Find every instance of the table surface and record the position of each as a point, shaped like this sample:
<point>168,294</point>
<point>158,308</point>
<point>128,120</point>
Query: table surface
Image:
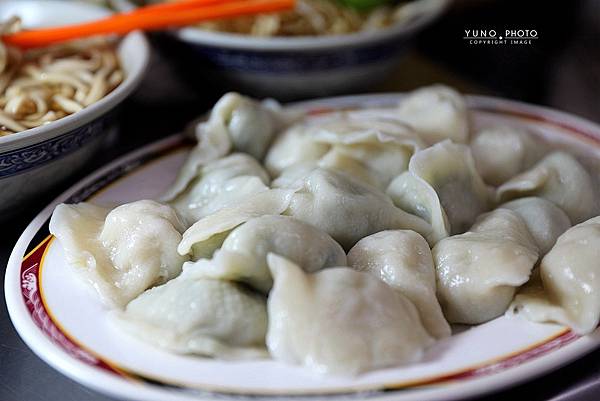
<point>25,377</point>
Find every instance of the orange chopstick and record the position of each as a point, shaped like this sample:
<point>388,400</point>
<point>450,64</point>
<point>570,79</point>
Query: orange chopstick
<point>148,18</point>
<point>176,5</point>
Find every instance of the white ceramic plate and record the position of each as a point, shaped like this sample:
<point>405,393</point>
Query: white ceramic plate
<point>64,323</point>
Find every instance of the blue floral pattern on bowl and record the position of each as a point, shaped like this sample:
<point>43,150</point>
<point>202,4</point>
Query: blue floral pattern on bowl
<point>24,159</point>
<point>286,62</point>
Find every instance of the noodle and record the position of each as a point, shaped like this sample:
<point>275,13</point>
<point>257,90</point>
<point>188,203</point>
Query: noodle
<point>310,18</point>
<point>43,85</point>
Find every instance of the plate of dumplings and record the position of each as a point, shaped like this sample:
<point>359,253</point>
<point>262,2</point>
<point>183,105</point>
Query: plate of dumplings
<point>426,245</point>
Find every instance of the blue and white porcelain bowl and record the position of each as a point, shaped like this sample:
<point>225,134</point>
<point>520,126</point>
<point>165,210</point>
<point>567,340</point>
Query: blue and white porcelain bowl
<point>299,67</point>
<point>34,160</point>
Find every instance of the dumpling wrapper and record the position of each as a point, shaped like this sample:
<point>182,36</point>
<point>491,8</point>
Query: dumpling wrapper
<point>559,178</point>
<point>194,315</point>
<point>402,259</point>
<point>478,272</point>
<point>501,152</point>
<point>122,252</point>
<point>294,176</point>
<point>545,221</point>
<point>442,187</point>
<point>293,146</point>
<point>212,146</point>
<point>221,183</point>
<point>348,209</point>
<point>437,113</point>
<point>567,290</point>
<point>205,236</point>
<point>340,321</point>
<point>243,255</point>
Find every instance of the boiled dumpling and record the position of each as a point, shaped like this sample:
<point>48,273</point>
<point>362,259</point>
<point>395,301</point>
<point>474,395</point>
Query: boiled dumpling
<point>194,315</point>
<point>442,187</point>
<point>403,260</point>
<point>501,152</point>
<point>559,178</point>
<point>236,122</point>
<point>243,255</point>
<point>121,252</point>
<point>221,183</point>
<point>347,209</point>
<point>250,125</point>
<point>207,234</point>
<point>437,113</point>
<point>567,290</point>
<point>380,154</point>
<point>371,148</point>
<point>209,148</point>
<point>479,271</point>
<point>545,221</point>
<point>327,320</point>
<point>294,176</point>
<point>311,139</point>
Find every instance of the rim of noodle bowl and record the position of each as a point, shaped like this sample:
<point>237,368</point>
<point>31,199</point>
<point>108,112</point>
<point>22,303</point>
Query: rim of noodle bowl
<point>238,41</point>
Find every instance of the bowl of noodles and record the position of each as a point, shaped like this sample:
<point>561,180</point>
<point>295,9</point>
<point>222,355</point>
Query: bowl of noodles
<point>322,47</point>
<point>58,104</point>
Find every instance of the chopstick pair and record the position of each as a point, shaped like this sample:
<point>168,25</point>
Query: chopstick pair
<point>153,17</point>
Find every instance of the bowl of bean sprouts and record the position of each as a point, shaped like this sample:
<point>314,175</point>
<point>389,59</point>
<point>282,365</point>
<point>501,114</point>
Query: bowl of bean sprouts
<point>320,48</point>
<point>59,103</point>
